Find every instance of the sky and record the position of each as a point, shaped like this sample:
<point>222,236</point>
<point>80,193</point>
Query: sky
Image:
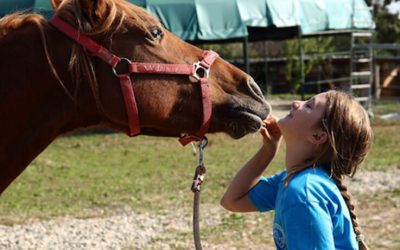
<point>394,7</point>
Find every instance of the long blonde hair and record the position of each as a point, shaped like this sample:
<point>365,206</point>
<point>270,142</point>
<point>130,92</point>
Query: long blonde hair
<point>350,137</point>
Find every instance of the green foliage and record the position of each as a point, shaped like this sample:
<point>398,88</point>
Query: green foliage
<point>311,47</point>
<point>226,50</point>
<point>235,50</point>
<point>387,27</point>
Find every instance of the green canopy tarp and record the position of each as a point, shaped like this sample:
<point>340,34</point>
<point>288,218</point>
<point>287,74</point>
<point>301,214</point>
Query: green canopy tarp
<point>198,20</point>
<point>206,20</point>
<point>229,19</point>
<point>39,6</point>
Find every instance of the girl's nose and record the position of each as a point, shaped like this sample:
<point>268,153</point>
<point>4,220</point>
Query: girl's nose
<point>295,104</point>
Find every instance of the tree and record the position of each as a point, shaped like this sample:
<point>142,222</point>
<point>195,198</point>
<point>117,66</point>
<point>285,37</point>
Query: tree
<point>311,48</point>
<point>387,24</point>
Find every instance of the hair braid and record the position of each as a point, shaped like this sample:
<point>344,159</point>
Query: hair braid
<point>347,198</point>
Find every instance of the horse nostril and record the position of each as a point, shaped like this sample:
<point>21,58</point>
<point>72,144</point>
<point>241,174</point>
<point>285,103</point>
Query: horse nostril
<point>255,90</point>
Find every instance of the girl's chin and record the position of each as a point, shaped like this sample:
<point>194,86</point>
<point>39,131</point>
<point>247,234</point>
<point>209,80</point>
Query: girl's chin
<point>281,123</point>
<point>282,120</point>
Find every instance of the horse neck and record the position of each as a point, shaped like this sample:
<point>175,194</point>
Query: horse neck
<point>34,108</point>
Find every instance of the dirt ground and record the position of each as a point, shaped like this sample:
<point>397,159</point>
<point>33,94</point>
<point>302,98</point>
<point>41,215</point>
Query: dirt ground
<point>376,195</point>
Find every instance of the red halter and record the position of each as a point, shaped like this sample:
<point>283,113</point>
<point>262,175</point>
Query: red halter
<point>199,70</point>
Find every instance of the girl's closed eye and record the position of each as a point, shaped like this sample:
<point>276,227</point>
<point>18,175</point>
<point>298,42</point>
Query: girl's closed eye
<point>310,103</point>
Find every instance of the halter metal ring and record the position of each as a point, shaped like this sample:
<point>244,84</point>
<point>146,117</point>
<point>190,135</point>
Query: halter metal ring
<point>127,63</point>
<point>200,71</point>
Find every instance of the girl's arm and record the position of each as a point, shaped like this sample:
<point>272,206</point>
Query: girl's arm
<point>236,197</point>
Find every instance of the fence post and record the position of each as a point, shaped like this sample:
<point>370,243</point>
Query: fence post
<point>246,54</point>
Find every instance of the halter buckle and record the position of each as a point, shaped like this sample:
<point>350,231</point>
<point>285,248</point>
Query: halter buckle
<point>200,71</point>
<point>124,64</point>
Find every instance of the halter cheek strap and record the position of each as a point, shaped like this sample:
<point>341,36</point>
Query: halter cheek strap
<point>204,66</point>
<point>199,70</point>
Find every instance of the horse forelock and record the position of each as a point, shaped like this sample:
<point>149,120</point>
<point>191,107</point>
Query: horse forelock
<point>107,14</point>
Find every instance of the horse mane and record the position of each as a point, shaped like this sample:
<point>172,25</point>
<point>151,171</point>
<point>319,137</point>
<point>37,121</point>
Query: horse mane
<point>16,20</point>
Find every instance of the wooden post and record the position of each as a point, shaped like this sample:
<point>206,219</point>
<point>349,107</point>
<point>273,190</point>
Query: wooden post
<point>377,82</point>
<point>246,62</point>
<point>301,58</point>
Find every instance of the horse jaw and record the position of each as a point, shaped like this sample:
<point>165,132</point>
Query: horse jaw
<point>238,119</point>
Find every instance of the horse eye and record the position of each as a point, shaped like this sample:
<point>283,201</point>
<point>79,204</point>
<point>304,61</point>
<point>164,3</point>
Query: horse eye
<point>155,33</point>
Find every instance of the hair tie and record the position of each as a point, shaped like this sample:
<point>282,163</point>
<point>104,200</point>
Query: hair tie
<point>360,237</point>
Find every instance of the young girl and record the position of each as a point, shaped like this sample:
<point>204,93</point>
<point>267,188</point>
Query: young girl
<point>327,137</point>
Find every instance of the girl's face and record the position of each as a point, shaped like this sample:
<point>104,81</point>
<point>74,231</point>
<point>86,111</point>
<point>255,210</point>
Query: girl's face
<point>301,121</point>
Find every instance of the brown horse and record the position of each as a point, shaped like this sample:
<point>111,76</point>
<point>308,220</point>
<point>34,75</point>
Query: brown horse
<point>50,85</point>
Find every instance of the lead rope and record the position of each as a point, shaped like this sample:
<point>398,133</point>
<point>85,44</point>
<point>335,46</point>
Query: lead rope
<point>196,186</point>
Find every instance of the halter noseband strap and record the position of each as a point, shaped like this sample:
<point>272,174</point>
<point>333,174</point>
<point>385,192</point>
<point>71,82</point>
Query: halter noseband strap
<point>199,70</point>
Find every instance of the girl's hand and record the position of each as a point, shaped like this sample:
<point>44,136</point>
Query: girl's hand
<point>236,197</point>
<point>271,134</point>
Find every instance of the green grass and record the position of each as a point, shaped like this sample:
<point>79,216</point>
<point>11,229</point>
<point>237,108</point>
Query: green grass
<point>385,150</point>
<point>78,174</point>
<point>288,96</point>
<point>83,172</point>
<point>386,106</point>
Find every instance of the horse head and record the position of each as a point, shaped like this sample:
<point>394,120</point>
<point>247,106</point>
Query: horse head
<point>168,104</point>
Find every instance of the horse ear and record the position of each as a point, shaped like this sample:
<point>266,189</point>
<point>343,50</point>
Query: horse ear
<point>94,10</point>
<point>55,4</point>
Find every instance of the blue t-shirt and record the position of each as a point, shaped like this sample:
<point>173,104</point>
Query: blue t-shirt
<point>310,213</point>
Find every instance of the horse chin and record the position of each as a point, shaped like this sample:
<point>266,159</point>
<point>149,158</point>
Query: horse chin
<point>246,124</point>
